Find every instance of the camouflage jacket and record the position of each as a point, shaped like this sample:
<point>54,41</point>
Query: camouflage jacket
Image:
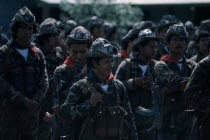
<point>64,77</point>
<point>126,72</point>
<point>77,105</point>
<point>21,79</point>
<point>192,49</point>
<point>198,89</point>
<point>172,81</point>
<point>198,57</point>
<point>122,55</point>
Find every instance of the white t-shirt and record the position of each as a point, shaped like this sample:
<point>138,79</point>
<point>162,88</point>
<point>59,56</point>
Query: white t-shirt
<point>105,87</point>
<point>180,64</point>
<point>143,68</point>
<point>23,52</point>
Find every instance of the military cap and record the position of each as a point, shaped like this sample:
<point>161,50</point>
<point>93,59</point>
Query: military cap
<point>69,26</point>
<point>48,26</point>
<point>95,21</point>
<point>102,48</point>
<point>109,29</point>
<point>24,15</point>
<point>79,35</point>
<point>189,25</point>
<point>205,25</point>
<point>176,30</point>
<point>145,35</point>
<point>163,23</point>
<point>144,25</point>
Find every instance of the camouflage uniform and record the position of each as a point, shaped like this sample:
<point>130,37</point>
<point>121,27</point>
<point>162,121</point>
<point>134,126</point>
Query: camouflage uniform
<point>23,80</point>
<point>3,38</point>
<point>139,96</point>
<point>198,57</point>
<point>77,106</point>
<point>197,93</point>
<point>172,80</point>
<point>48,28</point>
<point>64,77</point>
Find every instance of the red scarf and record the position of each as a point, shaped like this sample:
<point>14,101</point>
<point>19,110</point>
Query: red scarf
<point>169,59</point>
<point>34,51</point>
<point>69,62</point>
<point>124,53</point>
<point>111,77</point>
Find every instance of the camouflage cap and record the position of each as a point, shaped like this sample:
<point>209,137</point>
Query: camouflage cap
<point>24,15</point>
<point>102,48</point>
<point>163,23</point>
<point>170,18</point>
<point>189,25</point>
<point>109,29</point>
<point>48,26</point>
<point>145,35</point>
<point>95,21</point>
<point>144,25</point>
<point>176,30</point>
<point>69,26</point>
<point>79,35</point>
<point>205,25</point>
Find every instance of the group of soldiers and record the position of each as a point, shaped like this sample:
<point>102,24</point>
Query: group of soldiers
<point>68,82</point>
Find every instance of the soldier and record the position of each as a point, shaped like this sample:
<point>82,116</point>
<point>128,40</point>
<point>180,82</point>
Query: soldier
<point>24,80</point>
<point>47,40</point>
<point>197,93</point>
<point>100,102</point>
<point>202,40</point>
<point>126,44</point>
<point>162,28</point>
<point>145,25</point>
<point>136,74</point>
<point>190,29</point>
<point>171,74</point>
<point>96,27</point>
<point>73,69</point>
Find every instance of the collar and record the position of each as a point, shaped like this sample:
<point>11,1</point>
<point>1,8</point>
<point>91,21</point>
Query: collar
<point>15,44</point>
<point>69,62</point>
<point>94,78</point>
<point>168,58</point>
<point>135,58</point>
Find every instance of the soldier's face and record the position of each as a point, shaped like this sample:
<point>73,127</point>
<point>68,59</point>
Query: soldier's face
<point>104,67</point>
<point>149,51</point>
<point>177,45</point>
<point>98,31</point>
<point>53,40</point>
<point>203,45</point>
<point>78,52</point>
<point>24,33</point>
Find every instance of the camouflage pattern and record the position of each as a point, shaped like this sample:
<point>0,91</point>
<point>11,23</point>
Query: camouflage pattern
<point>77,105</point>
<point>138,96</point>
<point>197,93</point>
<point>171,80</point>
<point>198,57</point>
<point>63,78</point>
<point>21,80</point>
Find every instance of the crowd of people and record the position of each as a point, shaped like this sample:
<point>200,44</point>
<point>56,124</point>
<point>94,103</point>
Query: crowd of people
<point>63,81</point>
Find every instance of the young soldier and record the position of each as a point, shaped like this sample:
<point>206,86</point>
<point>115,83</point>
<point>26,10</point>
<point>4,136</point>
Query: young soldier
<point>172,74</point>
<point>100,102</point>
<point>47,40</point>
<point>136,74</point>
<point>202,41</point>
<point>96,27</point>
<point>23,80</point>
<point>73,69</point>
<point>197,93</point>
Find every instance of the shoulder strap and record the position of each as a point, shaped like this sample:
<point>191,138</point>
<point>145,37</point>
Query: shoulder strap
<point>127,71</point>
<point>89,86</point>
<point>6,49</point>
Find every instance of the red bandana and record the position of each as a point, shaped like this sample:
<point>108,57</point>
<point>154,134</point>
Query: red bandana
<point>111,77</point>
<point>69,62</point>
<point>124,53</point>
<point>169,59</point>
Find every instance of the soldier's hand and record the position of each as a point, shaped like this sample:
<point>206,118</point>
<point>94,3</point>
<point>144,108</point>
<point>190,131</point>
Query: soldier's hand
<point>48,117</point>
<point>142,82</point>
<point>95,99</point>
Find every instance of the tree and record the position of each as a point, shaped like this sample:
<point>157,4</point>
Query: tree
<point>123,15</point>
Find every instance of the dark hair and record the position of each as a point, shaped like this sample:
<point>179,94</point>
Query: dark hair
<point>142,43</point>
<point>15,25</point>
<point>91,59</point>
<point>200,34</point>
<point>42,38</point>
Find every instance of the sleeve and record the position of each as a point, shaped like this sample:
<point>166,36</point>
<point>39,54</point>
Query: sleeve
<point>130,117</point>
<point>196,86</point>
<point>121,75</point>
<point>43,84</point>
<point>77,105</point>
<point>165,76</point>
<point>7,90</point>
